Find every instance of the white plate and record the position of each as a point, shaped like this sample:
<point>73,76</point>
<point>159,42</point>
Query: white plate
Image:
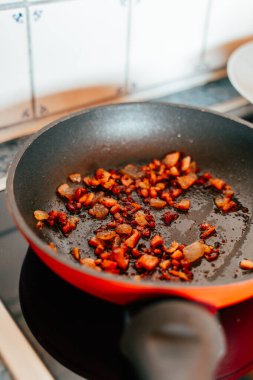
<point>240,70</point>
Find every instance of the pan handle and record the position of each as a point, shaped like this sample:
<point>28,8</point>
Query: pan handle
<point>174,339</point>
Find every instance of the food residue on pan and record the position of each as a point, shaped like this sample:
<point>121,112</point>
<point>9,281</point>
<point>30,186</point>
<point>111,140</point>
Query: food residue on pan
<point>124,200</point>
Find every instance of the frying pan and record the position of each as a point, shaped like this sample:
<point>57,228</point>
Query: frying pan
<point>113,136</point>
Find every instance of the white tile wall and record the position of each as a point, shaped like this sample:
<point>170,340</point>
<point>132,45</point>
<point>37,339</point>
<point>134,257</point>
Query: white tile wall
<point>79,52</point>
<point>15,92</point>
<point>3,2</point>
<point>166,40</point>
<point>230,25</point>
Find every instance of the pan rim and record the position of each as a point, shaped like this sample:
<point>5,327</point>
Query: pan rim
<point>31,236</point>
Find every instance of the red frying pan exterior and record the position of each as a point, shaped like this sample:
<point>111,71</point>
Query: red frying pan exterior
<point>110,287</point>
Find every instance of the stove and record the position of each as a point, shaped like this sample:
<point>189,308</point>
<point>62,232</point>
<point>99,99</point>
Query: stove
<point>74,335</point>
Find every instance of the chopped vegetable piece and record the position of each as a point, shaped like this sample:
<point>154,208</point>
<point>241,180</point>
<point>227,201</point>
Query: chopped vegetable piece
<point>194,251</point>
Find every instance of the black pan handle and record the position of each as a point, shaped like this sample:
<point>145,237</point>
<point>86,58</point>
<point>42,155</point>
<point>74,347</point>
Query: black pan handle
<point>173,340</point>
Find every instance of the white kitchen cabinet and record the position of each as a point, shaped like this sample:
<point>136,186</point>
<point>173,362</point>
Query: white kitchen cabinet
<point>166,40</point>
<point>15,89</point>
<point>230,24</point>
<point>78,52</point>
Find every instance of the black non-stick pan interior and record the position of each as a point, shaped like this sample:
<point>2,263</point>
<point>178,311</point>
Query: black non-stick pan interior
<point>113,136</point>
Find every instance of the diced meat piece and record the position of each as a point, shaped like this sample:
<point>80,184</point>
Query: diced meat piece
<point>121,258</point>
<point>133,171</point>
<point>99,211</point>
<point>76,253</point>
<point>41,215</point>
<point>97,197</point>
<point>65,191</point>
<point>173,247</point>
<point>228,191</point>
<point>174,171</point>
<point>169,217</point>
<point>225,204</point>
<point>75,177</point>
<point>147,262</point>
<point>187,181</point>
<point>181,275</point>
<point>171,159</point>
<point>106,235</point>
<point>102,175</point>
<point>126,180</point>
<point>124,229</point>
<point>86,199</point>
<point>185,165</point>
<point>174,193</point>
<point>208,230</point>
<point>183,205</point>
<point>194,251</point>
<point>132,241</point>
<point>165,264</point>
<point>115,209</point>
<point>40,225</point>
<point>108,202</point>
<point>91,181</point>
<point>217,183</point>
<point>90,263</point>
<point>140,219</point>
<point>246,264</point>
<point>177,255</point>
<point>156,241</point>
<point>157,203</point>
<point>108,265</point>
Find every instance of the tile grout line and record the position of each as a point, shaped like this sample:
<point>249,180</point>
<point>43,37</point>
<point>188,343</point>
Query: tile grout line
<point>205,33</point>
<point>128,42</point>
<point>30,59</point>
<point>29,3</point>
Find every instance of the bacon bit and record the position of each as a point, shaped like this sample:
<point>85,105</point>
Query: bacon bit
<point>132,241</point>
<point>121,258</point>
<point>109,265</point>
<point>173,247</point>
<point>185,165</point>
<point>174,171</point>
<point>75,177</point>
<point>76,253</point>
<point>52,246</point>
<point>246,264</point>
<point>106,235</point>
<point>41,215</point>
<point>144,193</point>
<point>228,191</point>
<point>102,175</point>
<point>192,168</point>
<point>160,186</point>
<point>99,211</point>
<point>157,203</point>
<point>181,275</point>
<point>126,180</point>
<point>40,225</point>
<point>217,183</point>
<point>140,219</point>
<point>169,217</point>
<point>90,263</point>
<point>108,202</point>
<point>174,193</point>
<point>194,251</point>
<point>171,159</point>
<point>136,252</point>
<point>86,199</point>
<point>177,255</point>
<point>167,196</point>
<point>147,262</point>
<point>152,192</point>
<point>156,241</point>
<point>124,229</point>
<point>97,243</point>
<point>208,230</point>
<point>225,204</point>
<point>165,264</point>
<point>187,181</point>
<point>65,191</point>
<point>183,205</point>
<point>115,209</point>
